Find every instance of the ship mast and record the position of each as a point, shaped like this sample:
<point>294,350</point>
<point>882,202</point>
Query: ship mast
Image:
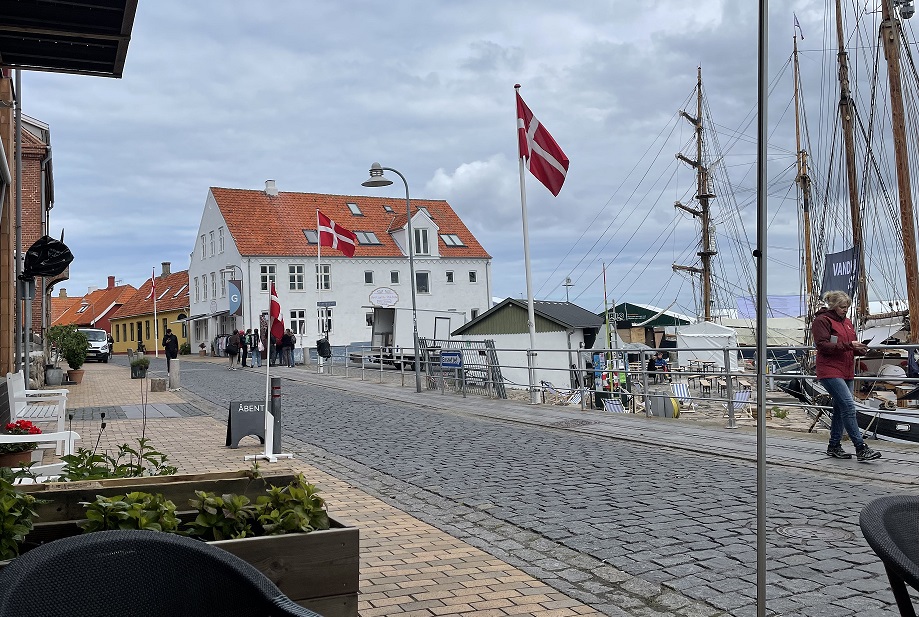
<point>847,117</point>
<point>890,35</point>
<point>804,183</point>
<point>704,196</point>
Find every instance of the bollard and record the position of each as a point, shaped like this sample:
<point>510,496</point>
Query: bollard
<point>174,374</point>
<point>276,414</point>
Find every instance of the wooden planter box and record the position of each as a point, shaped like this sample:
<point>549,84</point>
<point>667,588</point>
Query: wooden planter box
<point>318,570</point>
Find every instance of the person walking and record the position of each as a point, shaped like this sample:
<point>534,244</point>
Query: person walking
<point>255,348</point>
<point>232,349</point>
<point>243,348</point>
<point>834,336</point>
<point>171,347</point>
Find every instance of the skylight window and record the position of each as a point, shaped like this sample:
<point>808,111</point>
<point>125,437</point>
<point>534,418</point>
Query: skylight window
<point>311,236</point>
<point>184,287</point>
<point>451,240</point>
<point>367,237</point>
<point>355,210</point>
<point>387,209</point>
<point>160,297</point>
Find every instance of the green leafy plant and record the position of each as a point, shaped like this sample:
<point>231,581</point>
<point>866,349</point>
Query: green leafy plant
<point>56,336</point>
<point>185,348</point>
<point>296,507</point>
<point>128,462</point>
<point>73,347</point>
<point>141,362</point>
<point>779,413</point>
<point>17,512</point>
<point>222,517</point>
<point>137,510</point>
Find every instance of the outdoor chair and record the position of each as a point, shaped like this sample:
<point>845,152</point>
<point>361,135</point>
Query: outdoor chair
<point>681,393</point>
<point>613,404</point>
<point>741,404</point>
<point>889,525</point>
<point>36,405</point>
<point>154,573</point>
<point>562,397</point>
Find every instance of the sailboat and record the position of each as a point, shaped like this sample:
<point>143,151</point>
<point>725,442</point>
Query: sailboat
<point>882,405</point>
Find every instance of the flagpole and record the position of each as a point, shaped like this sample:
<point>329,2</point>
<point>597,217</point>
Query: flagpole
<point>156,330</point>
<point>531,313</point>
<point>319,364</point>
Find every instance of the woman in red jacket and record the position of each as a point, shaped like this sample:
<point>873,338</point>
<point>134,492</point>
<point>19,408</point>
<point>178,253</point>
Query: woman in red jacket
<point>834,336</point>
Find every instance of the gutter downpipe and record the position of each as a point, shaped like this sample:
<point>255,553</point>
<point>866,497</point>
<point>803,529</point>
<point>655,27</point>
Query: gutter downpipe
<point>46,228</point>
<point>18,325</point>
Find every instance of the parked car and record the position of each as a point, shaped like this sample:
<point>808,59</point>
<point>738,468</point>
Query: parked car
<point>98,344</point>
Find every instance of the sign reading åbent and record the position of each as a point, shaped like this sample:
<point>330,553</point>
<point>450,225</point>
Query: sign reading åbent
<point>246,418</point>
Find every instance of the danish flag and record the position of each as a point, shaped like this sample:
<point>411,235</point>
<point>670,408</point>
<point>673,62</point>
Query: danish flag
<point>544,158</point>
<point>274,314</point>
<point>335,236</point>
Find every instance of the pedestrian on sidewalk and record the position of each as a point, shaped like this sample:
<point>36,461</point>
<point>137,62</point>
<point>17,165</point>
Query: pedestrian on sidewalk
<point>287,348</point>
<point>243,348</point>
<point>232,349</point>
<point>834,336</point>
<point>171,347</point>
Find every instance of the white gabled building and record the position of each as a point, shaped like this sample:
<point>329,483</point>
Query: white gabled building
<point>262,236</point>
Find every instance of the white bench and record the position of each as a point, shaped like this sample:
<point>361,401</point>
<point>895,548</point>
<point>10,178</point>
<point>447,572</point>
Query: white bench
<point>36,405</point>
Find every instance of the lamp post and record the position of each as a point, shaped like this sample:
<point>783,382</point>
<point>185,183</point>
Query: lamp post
<point>378,179</point>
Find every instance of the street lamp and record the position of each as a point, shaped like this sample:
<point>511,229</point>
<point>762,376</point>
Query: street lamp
<point>378,179</point>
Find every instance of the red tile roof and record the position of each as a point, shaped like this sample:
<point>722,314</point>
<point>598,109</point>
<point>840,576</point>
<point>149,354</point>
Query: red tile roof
<point>171,294</point>
<point>98,302</point>
<point>62,306</point>
<point>272,225</point>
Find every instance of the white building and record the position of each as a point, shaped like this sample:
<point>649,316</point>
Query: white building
<point>261,236</point>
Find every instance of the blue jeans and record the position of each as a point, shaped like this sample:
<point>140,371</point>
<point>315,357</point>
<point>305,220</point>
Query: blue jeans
<point>256,357</point>
<point>843,411</point>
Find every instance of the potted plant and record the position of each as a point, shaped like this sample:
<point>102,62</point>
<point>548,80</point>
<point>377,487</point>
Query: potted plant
<point>139,366</point>
<point>18,511</point>
<point>18,454</point>
<point>54,375</point>
<point>202,349</point>
<point>318,570</point>
<point>73,348</point>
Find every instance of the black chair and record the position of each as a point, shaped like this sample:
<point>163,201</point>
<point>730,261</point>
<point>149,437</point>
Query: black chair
<point>121,573</point>
<point>891,527</point>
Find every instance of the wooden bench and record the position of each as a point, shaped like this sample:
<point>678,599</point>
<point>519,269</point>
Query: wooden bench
<point>706,387</point>
<point>36,405</point>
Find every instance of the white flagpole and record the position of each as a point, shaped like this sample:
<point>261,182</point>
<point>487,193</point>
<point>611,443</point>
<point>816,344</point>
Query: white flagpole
<point>531,313</point>
<point>321,321</point>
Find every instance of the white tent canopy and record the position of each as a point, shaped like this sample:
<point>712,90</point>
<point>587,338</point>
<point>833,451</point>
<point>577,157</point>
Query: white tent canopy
<point>706,341</point>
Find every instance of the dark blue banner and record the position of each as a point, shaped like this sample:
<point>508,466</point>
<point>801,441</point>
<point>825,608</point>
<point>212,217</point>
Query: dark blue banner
<point>840,272</point>
<point>235,291</point>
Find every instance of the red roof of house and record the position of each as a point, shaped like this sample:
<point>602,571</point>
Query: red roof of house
<point>99,304</point>
<point>273,225</point>
<point>62,306</point>
<point>171,295</point>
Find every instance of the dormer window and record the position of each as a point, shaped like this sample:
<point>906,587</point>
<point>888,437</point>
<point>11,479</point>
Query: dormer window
<point>355,210</point>
<point>421,242</point>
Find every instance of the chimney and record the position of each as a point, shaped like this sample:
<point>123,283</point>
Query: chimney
<point>270,188</point>
<point>111,282</point>
<point>62,293</point>
<point>164,269</point>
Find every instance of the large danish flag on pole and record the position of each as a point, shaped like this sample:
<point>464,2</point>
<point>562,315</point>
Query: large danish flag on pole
<point>543,157</point>
<point>335,236</point>
<point>274,315</point>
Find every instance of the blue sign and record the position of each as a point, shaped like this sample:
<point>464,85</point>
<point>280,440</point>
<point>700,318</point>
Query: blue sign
<point>451,359</point>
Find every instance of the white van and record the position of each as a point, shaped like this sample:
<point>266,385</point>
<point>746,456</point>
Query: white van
<point>98,344</point>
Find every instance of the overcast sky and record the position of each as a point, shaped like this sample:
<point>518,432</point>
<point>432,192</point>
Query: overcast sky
<point>231,93</point>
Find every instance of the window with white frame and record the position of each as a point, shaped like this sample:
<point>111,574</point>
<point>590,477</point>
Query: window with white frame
<point>367,237</point>
<point>324,321</point>
<point>197,290</point>
<point>423,282</point>
<point>368,277</point>
<point>472,276</point>
<point>224,283</point>
<point>323,277</point>
<point>212,243</point>
<point>203,246</point>
<point>221,244</point>
<point>369,318</point>
<point>451,240</point>
<point>201,331</point>
<point>204,286</point>
<point>295,277</point>
<point>266,275</point>
<point>421,242</point>
<point>394,277</point>
<point>298,321</point>
<point>449,276</point>
<point>213,284</point>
